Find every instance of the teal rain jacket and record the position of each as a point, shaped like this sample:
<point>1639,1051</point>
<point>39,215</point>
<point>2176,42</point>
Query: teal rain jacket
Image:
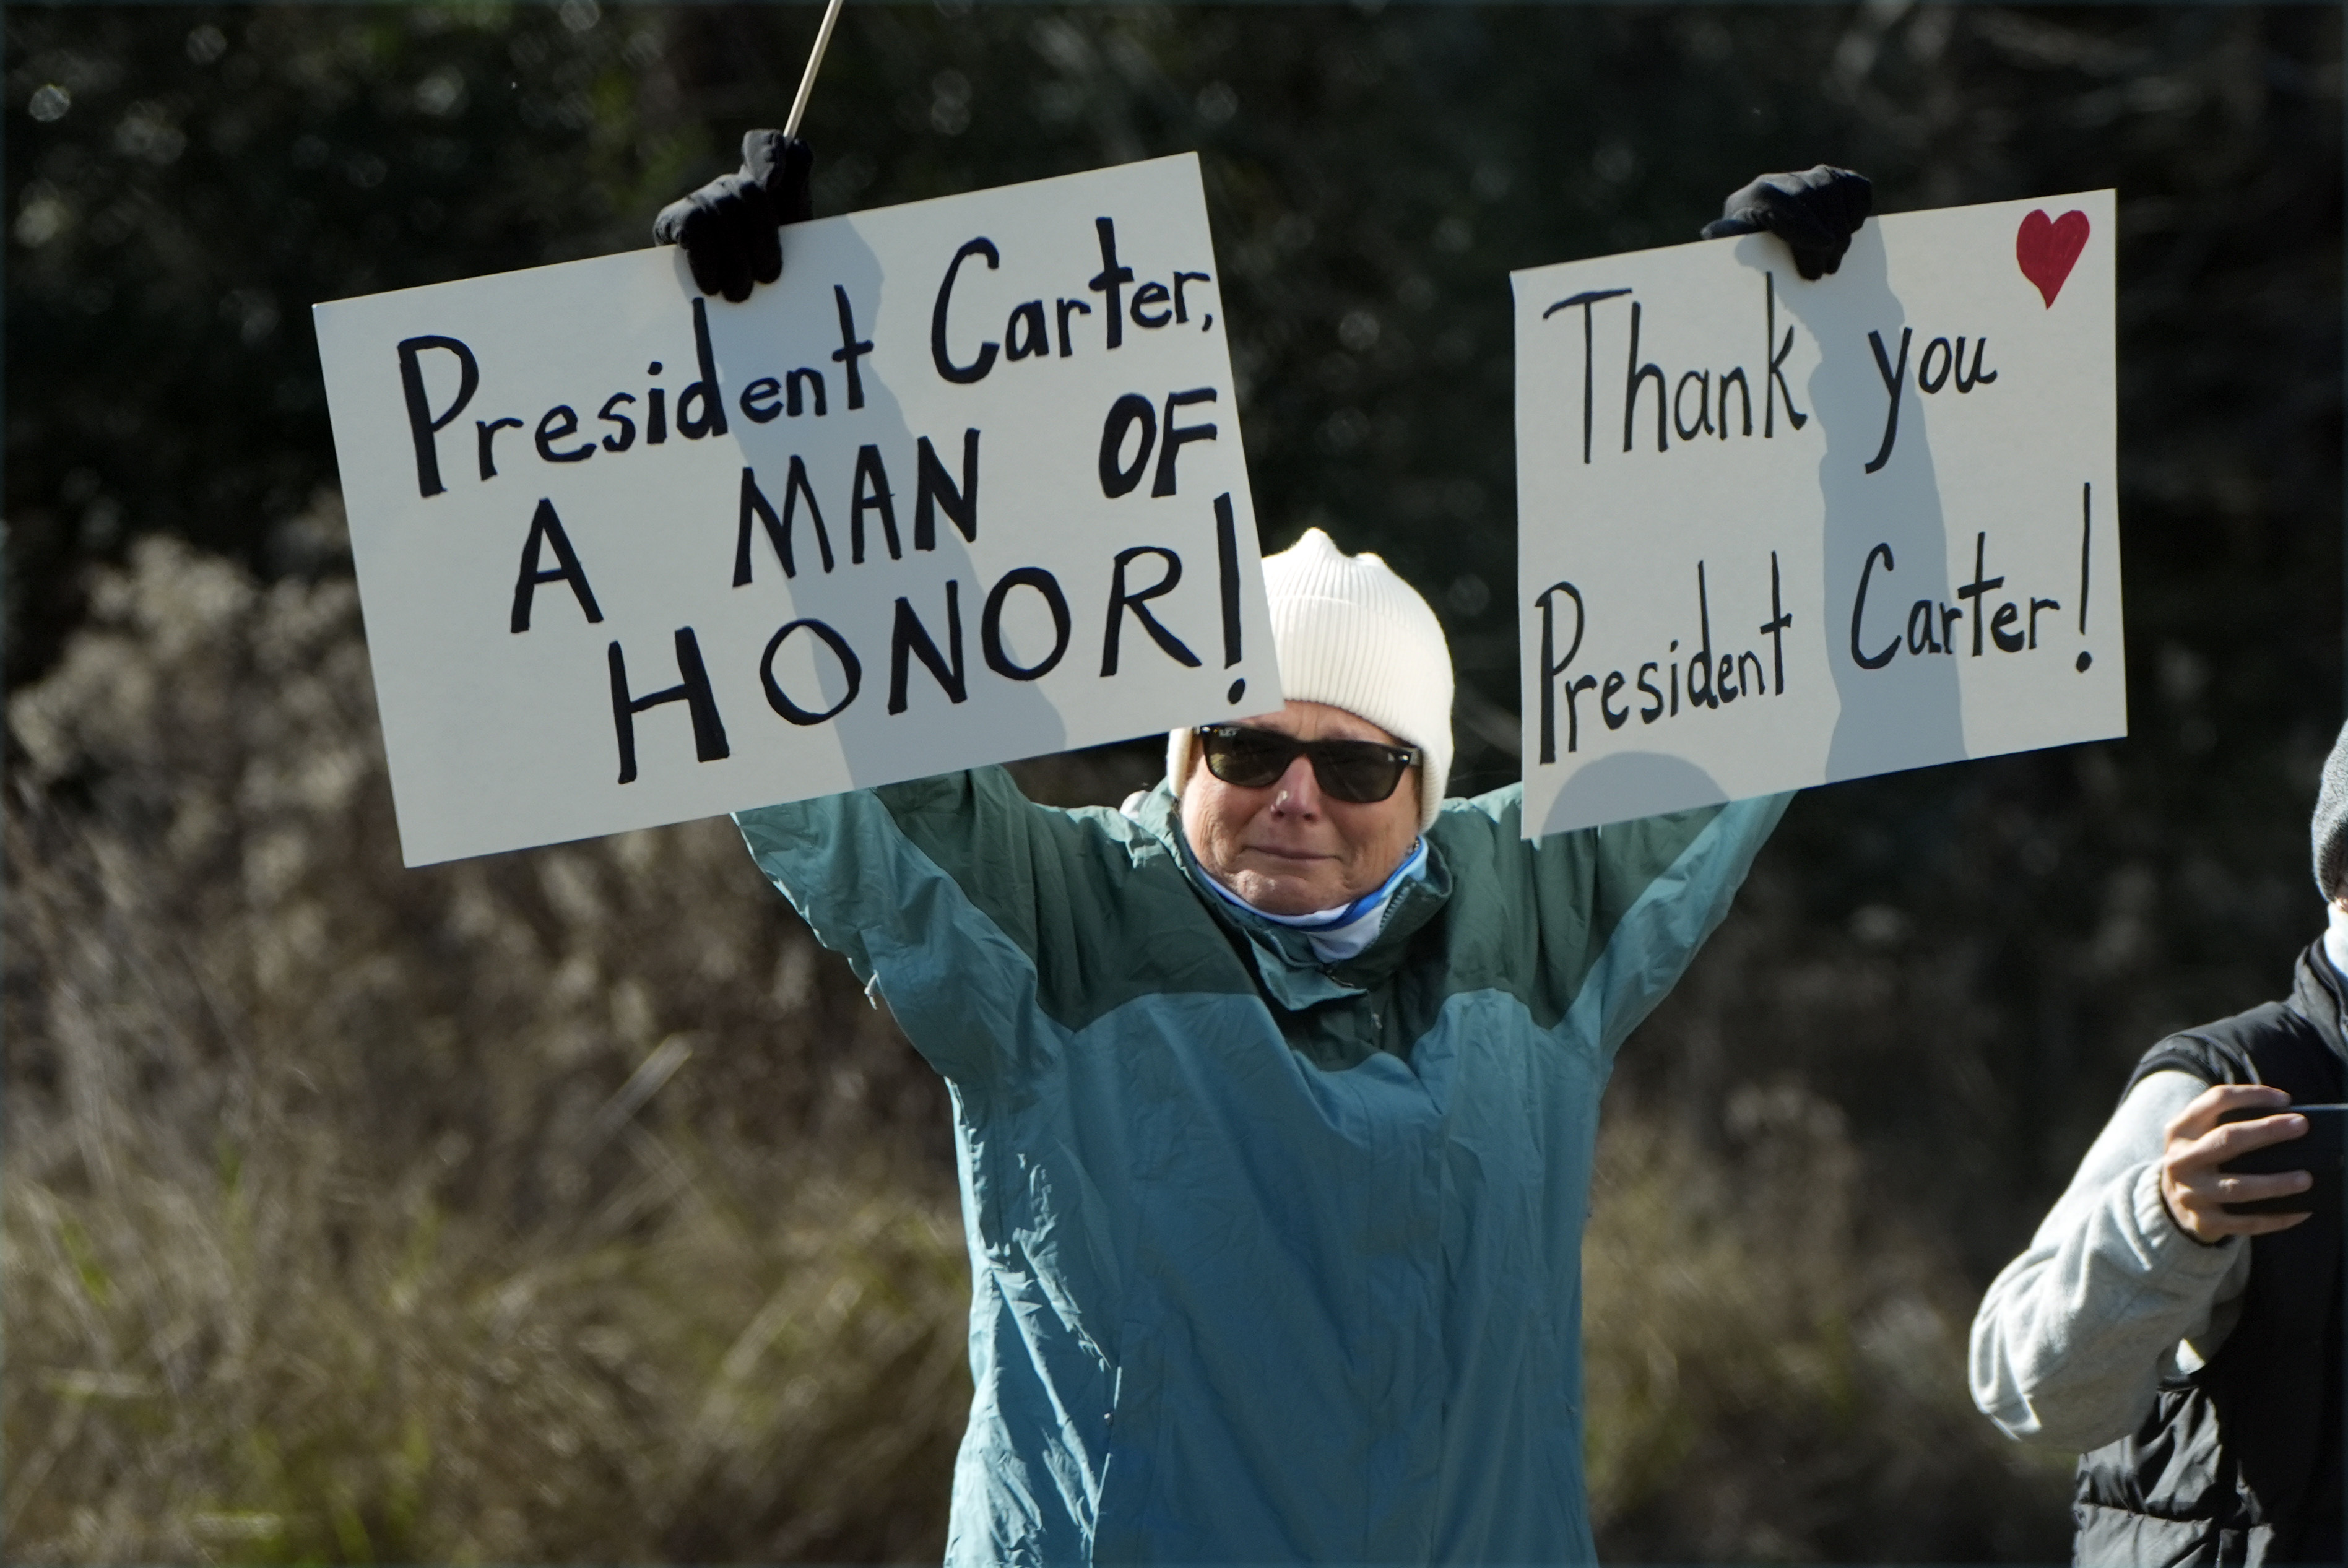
<point>1270,1260</point>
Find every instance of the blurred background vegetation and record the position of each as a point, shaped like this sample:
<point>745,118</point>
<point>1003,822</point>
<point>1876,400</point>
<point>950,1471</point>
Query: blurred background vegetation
<point>572,1205</point>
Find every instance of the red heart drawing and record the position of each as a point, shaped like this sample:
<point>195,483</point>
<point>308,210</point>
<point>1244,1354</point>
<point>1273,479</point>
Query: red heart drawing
<point>2047,249</point>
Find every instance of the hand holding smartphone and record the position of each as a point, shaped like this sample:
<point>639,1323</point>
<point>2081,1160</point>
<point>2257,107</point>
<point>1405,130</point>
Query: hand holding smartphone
<point>2319,1152</point>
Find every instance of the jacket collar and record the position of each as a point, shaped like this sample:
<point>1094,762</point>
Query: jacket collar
<point>1292,975</point>
<point>2320,995</point>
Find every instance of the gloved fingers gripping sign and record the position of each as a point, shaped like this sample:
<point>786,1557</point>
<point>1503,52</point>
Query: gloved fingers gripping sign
<point>730,227</point>
<point>1815,211</point>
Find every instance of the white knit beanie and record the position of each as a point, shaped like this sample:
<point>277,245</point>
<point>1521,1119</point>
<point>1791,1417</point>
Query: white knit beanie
<point>1353,634</point>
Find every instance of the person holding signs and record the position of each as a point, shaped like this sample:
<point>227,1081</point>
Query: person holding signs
<point>2182,1319</point>
<point>1276,1092</point>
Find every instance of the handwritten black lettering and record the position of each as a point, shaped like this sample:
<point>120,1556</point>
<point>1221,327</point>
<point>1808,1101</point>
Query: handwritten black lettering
<point>852,671</point>
<point>1776,380</point>
<point>1702,380</point>
<point>1178,434</point>
<point>960,375</point>
<point>1553,667</point>
<point>693,690</point>
<point>1181,307</point>
<point>762,400</point>
<point>1892,379</point>
<point>701,406</point>
<point>1978,586</point>
<point>853,348</point>
<point>423,425</point>
<point>1122,598</point>
<point>1979,377</point>
<point>936,491</point>
<point>546,529</point>
<point>1636,375</point>
<point>1117,477</point>
<point>1701,664</point>
<point>755,505</point>
<point>1585,301</point>
<point>1024,336</point>
<point>1066,308</point>
<point>1925,613</point>
<point>1927,378</point>
<point>1652,709</point>
<point>1774,628</point>
<point>871,494</point>
<point>1743,396</point>
<point>1226,564</point>
<point>627,436</point>
<point>909,639</point>
<point>990,623</point>
<point>1110,281</point>
<point>1858,612</point>
<point>1614,684</point>
<point>488,430</point>
<point>559,423</point>
<point>1150,294</point>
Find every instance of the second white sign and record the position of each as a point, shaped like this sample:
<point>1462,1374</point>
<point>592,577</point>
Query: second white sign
<point>1775,533</point>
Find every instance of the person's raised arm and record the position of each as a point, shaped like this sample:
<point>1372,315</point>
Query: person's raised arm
<point>1622,909</point>
<point>2073,1336</point>
<point>975,910</point>
<point>1592,927</point>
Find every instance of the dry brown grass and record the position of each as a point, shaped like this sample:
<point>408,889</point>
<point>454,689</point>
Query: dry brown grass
<point>563,1206</point>
<point>1776,1367</point>
<point>572,1206</point>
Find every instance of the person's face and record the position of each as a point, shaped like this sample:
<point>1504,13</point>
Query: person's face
<point>1287,847</point>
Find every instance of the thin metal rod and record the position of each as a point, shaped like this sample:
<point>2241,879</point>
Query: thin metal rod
<point>815,59</point>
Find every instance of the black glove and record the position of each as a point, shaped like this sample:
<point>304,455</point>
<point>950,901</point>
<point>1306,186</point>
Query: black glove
<point>728,227</point>
<point>1815,213</point>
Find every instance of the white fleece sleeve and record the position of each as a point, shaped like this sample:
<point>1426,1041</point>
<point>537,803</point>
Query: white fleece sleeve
<point>2073,1336</point>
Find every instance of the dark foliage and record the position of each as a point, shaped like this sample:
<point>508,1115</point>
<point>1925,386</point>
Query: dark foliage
<point>1960,962</point>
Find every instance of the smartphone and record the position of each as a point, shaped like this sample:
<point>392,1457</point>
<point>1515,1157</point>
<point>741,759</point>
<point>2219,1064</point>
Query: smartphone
<point>2319,1153</point>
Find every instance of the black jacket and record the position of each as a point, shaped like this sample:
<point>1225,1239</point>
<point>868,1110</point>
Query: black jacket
<point>2240,1462</point>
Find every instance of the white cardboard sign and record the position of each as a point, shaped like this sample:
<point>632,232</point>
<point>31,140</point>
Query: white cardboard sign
<point>966,486</point>
<point>1775,533</point>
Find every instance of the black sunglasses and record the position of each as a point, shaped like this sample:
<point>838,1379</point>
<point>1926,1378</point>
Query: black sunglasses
<point>1361,772</point>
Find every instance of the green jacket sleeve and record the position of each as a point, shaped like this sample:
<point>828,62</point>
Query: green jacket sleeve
<point>1593,926</point>
<point>975,908</point>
